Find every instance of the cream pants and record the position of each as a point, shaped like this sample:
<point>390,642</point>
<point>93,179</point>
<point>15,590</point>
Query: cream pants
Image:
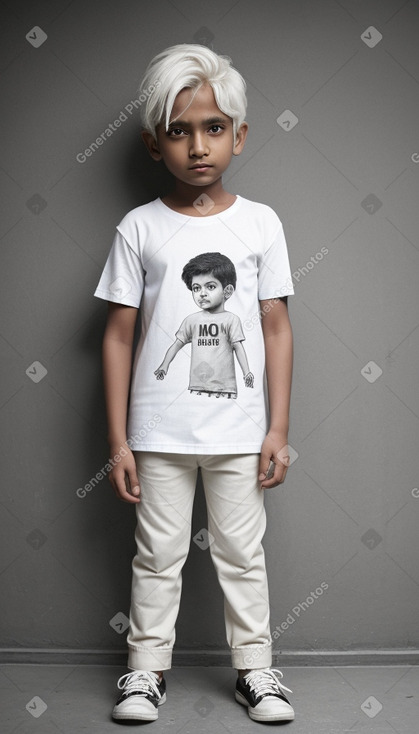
<point>236,524</point>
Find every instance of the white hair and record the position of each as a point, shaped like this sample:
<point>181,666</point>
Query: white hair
<point>190,65</point>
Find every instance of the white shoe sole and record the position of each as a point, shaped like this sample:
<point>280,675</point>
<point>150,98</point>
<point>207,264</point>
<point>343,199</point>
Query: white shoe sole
<point>255,716</point>
<point>138,716</point>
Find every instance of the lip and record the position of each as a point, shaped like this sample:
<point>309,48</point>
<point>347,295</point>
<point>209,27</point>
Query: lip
<point>200,167</point>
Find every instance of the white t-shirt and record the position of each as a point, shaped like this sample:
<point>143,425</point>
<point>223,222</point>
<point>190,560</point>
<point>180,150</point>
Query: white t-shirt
<point>198,383</point>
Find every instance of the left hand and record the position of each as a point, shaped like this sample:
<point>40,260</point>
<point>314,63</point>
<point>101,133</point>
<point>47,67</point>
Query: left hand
<point>274,453</point>
<point>249,379</point>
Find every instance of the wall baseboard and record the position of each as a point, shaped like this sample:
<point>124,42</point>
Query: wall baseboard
<point>206,658</point>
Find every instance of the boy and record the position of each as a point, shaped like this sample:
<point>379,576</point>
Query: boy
<point>194,122</point>
<point>216,334</point>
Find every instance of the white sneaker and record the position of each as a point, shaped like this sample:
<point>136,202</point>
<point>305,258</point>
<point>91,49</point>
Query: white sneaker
<point>143,692</point>
<point>262,692</point>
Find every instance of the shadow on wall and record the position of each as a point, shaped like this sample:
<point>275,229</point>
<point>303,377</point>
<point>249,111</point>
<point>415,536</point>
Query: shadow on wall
<point>144,178</point>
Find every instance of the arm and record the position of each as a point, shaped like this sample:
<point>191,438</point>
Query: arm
<point>242,360</point>
<point>277,335</point>
<point>117,357</point>
<point>169,356</point>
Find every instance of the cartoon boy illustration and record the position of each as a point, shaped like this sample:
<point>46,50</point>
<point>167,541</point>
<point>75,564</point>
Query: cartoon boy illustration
<point>215,335</point>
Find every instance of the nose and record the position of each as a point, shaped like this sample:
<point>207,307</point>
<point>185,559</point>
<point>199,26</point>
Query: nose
<point>198,146</point>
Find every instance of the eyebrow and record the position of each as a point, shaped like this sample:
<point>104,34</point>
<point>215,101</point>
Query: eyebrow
<point>208,121</point>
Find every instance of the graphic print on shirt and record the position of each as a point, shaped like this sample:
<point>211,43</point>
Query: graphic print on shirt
<point>215,335</point>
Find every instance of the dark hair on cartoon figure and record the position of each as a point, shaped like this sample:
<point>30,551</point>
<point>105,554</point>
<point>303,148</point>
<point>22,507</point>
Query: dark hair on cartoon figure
<point>210,262</point>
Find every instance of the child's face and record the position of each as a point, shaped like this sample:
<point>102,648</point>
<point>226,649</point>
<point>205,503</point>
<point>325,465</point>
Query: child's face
<point>208,293</point>
<point>198,134</point>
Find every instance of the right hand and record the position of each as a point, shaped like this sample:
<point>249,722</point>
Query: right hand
<point>160,372</point>
<point>123,476</point>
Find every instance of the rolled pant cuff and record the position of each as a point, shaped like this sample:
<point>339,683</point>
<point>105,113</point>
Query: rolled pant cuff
<point>251,656</point>
<point>150,658</point>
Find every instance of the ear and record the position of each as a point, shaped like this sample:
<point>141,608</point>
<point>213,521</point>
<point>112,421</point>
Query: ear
<point>151,145</point>
<point>240,138</point>
<point>228,291</point>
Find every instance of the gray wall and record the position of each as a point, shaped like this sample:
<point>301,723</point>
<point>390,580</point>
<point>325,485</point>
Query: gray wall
<point>344,178</point>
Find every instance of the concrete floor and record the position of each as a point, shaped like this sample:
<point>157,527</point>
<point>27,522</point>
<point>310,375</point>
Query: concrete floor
<point>50,699</point>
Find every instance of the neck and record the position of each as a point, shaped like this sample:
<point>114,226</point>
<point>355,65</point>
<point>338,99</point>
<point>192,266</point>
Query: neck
<point>183,196</point>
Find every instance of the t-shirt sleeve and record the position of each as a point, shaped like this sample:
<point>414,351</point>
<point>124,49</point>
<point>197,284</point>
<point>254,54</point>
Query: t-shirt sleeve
<point>236,331</point>
<point>274,268</point>
<point>184,332</point>
<point>122,279</point>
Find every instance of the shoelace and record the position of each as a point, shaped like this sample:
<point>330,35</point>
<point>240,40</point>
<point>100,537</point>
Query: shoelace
<point>141,681</point>
<point>266,681</point>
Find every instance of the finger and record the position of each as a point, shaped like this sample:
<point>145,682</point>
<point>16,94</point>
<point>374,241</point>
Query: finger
<point>127,496</point>
<point>132,483</point>
<point>277,478</point>
<point>121,486</point>
<point>266,479</point>
<point>264,464</point>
